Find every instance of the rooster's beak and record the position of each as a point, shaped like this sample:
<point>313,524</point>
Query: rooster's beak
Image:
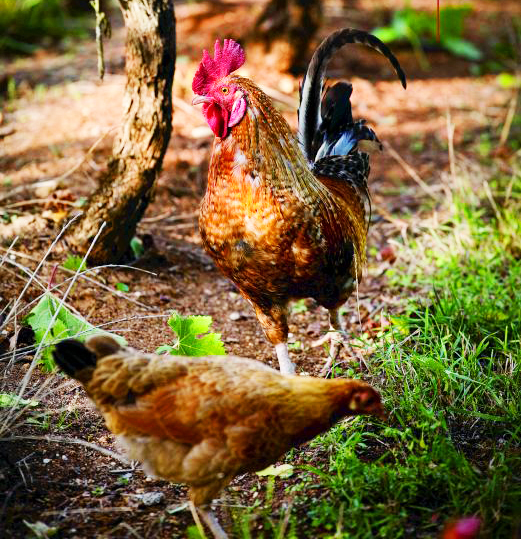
<point>198,99</point>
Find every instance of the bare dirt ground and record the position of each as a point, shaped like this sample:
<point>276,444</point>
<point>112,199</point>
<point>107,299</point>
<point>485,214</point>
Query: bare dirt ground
<point>61,110</point>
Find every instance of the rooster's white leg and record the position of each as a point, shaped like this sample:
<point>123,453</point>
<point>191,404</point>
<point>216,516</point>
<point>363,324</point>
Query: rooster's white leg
<point>285,364</point>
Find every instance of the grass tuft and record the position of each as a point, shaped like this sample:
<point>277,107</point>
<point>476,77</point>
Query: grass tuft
<point>450,373</point>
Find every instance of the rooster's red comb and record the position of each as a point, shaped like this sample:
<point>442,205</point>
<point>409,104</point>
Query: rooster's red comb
<point>225,61</point>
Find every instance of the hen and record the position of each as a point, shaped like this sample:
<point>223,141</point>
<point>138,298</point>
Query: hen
<point>285,217</point>
<point>204,420</point>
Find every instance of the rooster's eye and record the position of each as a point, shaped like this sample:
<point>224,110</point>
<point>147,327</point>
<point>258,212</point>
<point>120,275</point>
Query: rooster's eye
<point>225,90</point>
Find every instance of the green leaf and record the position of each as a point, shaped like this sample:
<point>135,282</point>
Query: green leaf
<point>40,530</point>
<point>509,80</point>
<point>461,47</point>
<point>387,34</point>
<point>8,400</point>
<point>137,247</point>
<point>192,532</point>
<point>66,325</point>
<point>187,329</point>
<point>74,263</point>
<point>122,287</point>
<point>283,471</point>
<point>299,307</point>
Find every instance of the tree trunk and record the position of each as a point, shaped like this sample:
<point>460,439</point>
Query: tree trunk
<point>126,187</point>
<point>294,22</point>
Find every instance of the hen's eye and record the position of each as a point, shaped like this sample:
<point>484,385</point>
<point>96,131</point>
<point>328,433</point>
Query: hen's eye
<point>225,90</point>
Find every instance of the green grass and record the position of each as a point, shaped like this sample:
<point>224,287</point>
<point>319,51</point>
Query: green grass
<point>449,370</point>
<point>26,23</point>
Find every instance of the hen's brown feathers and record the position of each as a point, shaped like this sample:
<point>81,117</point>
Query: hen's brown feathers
<point>202,421</point>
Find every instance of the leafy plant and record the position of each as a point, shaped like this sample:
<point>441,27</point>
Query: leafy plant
<point>65,325</point>
<point>419,27</point>
<point>193,337</point>
<point>8,400</point>
<point>74,263</point>
<point>137,247</point>
<point>122,287</point>
<point>23,23</point>
<point>98,490</point>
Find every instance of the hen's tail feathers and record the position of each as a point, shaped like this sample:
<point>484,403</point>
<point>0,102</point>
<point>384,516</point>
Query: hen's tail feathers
<point>73,357</point>
<point>311,91</point>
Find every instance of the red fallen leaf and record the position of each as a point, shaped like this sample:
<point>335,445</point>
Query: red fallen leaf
<point>463,528</point>
<point>371,324</point>
<point>387,253</point>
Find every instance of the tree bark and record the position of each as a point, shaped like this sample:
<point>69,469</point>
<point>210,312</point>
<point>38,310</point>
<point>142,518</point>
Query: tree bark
<point>126,187</point>
<point>293,21</point>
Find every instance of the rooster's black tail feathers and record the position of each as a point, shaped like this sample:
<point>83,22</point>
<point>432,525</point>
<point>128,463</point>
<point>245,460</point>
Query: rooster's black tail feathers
<point>336,99</point>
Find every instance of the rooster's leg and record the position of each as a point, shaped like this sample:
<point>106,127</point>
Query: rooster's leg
<point>285,364</point>
<point>333,337</point>
<point>274,322</point>
<point>210,520</point>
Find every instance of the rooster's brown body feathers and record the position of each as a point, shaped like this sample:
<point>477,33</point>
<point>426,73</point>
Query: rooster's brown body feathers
<point>273,227</point>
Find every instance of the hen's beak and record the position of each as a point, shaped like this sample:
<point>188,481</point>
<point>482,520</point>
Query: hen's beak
<point>198,99</point>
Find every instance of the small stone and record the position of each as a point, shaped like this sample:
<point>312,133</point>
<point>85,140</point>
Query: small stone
<point>235,316</point>
<point>152,498</point>
<point>46,461</point>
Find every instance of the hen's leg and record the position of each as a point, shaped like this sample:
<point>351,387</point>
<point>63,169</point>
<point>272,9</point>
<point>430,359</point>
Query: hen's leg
<point>209,519</point>
<point>334,337</point>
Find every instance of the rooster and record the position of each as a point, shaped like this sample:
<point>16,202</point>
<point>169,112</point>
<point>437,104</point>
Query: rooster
<point>286,217</point>
<point>204,420</point>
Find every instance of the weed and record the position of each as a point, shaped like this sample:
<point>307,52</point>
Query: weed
<point>98,491</point>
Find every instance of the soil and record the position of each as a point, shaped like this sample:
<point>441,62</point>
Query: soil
<point>61,110</point>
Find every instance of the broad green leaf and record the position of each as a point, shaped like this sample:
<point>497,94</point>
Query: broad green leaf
<point>66,325</point>
<point>193,337</point>
<point>8,400</point>
<point>283,471</point>
<point>461,47</point>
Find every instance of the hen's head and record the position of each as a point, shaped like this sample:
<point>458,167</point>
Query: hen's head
<point>223,101</point>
